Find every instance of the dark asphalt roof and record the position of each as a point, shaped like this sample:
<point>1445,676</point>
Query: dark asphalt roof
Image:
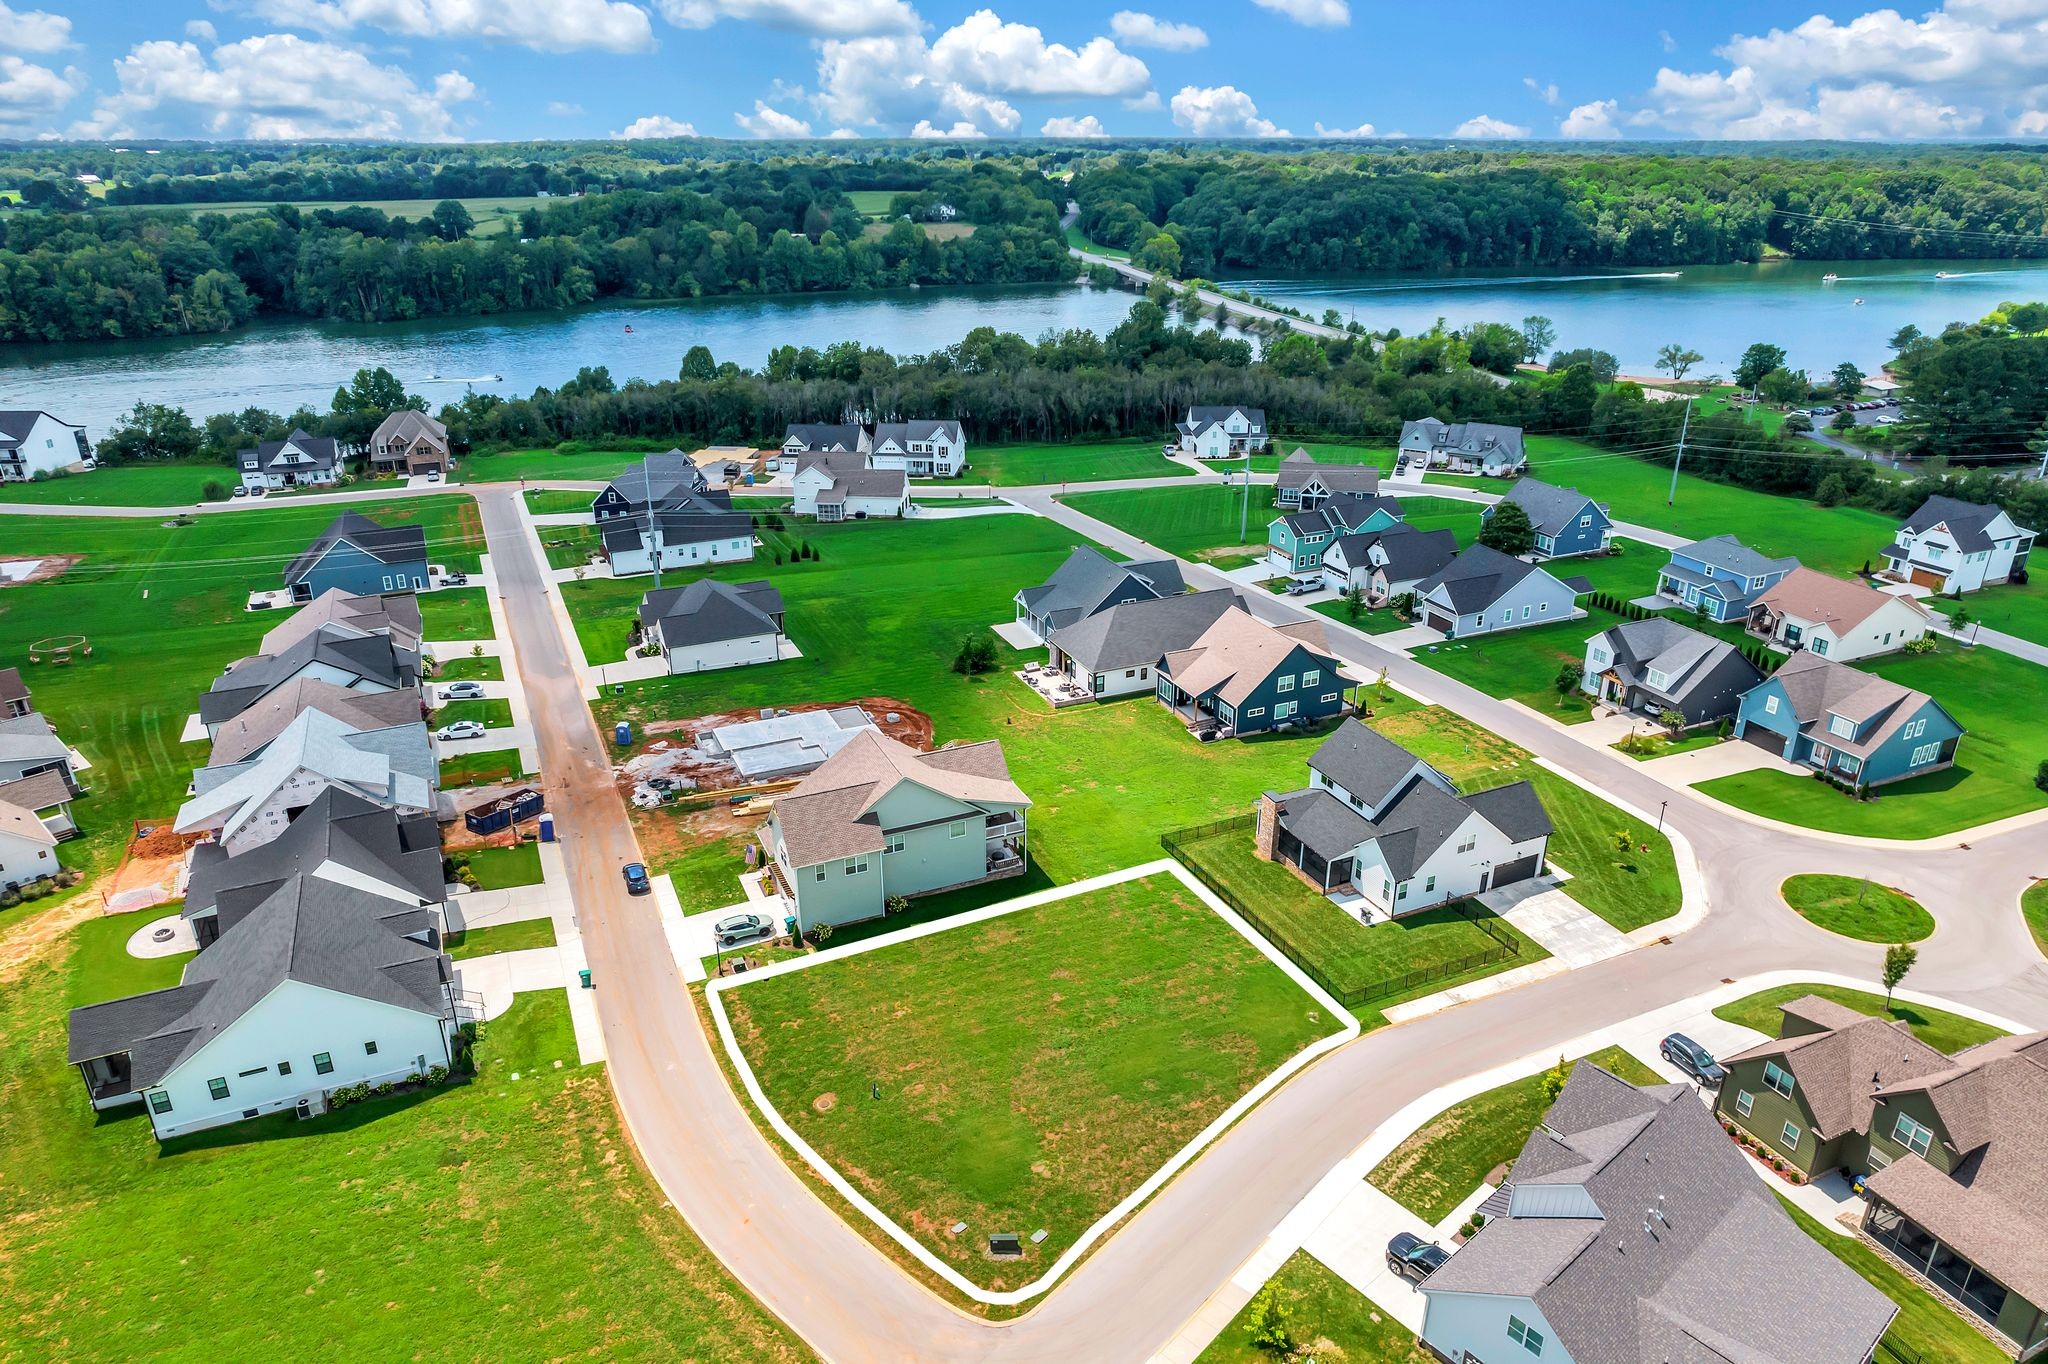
<point>707,611</point>
<point>1477,578</point>
<point>1139,633</point>
<point>1412,554</point>
<point>1551,509</point>
<point>1363,761</point>
<point>339,827</point>
<point>1967,521</point>
<point>385,544</point>
<point>368,656</point>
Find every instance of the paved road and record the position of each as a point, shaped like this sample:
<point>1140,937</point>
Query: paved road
<point>851,1303</point>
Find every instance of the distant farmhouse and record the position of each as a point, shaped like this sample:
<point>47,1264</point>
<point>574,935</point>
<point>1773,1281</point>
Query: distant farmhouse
<point>664,508</point>
<point>1464,447</point>
<point>34,442</point>
<point>1303,484</point>
<point>1222,432</point>
<point>1954,546</point>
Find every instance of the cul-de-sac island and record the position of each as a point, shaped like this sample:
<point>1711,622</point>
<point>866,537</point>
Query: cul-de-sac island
<point>1231,830</point>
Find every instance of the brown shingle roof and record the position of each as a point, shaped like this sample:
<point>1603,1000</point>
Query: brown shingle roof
<point>831,812</point>
<point>38,792</point>
<point>1836,1067</point>
<point>1237,653</point>
<point>1834,602</point>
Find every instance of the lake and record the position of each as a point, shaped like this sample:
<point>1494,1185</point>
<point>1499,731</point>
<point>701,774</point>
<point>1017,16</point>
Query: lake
<point>1717,310</point>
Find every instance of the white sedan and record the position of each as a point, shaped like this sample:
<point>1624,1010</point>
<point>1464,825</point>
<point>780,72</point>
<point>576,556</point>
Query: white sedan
<point>461,729</point>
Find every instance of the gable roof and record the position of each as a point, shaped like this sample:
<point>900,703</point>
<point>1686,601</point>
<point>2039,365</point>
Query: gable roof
<point>30,738</point>
<point>341,827</point>
<point>395,765</point>
<point>1200,419</point>
<point>1364,761</point>
<point>1815,686</point>
<point>1836,1066</point>
<point>1551,509</point>
<point>12,688</point>
<point>824,435</point>
<point>1837,603</point>
<point>396,614</point>
<point>707,611</point>
<point>22,823</point>
<point>1300,469</point>
<point>1642,1236</point>
<point>16,423</point>
<point>917,429</point>
<point>1475,440</point>
<point>246,733</point>
<point>1477,578</point>
<point>1088,577</point>
<point>1684,655</point>
<point>407,426</point>
<point>1728,553</point>
<point>1411,554</point>
<point>386,544</point>
<point>665,480</point>
<point>375,658</point>
<point>1136,634</point>
<point>319,452</point>
<point>1969,522</point>
<point>851,476</point>
<point>1238,652</point>
<point>831,813</point>
<point>1340,511</point>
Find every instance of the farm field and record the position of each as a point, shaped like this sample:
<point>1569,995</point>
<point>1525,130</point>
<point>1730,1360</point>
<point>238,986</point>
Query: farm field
<point>492,215</point>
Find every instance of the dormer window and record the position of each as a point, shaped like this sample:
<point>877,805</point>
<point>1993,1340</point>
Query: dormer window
<point>1841,727</point>
<point>1659,680</point>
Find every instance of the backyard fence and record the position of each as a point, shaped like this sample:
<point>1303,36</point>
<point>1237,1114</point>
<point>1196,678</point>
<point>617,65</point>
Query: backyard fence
<point>1505,948</point>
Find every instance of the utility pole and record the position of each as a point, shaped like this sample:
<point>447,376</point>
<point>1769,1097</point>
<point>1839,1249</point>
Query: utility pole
<point>654,536</point>
<point>1244,518</point>
<point>1684,429</point>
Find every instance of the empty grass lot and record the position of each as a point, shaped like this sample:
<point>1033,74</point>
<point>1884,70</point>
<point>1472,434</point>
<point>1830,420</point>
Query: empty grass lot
<point>137,485</point>
<point>1033,1069</point>
<point>1202,522</point>
<point>459,613</point>
<point>163,608</point>
<point>1855,908</point>
<point>1449,1156</point>
<point>503,868</point>
<point>2015,610</point>
<point>510,466</point>
<point>558,501</point>
<point>478,1208</point>
<point>1331,1319</point>
<point>481,769</point>
<point>513,937</point>
<point>1938,1028</point>
<point>1323,451</point>
<point>2000,700</point>
<point>1059,462</point>
<point>464,668</point>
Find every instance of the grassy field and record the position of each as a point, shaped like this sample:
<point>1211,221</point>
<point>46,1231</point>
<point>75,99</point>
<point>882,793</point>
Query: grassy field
<point>481,769</point>
<point>163,609</point>
<point>455,613</point>
<point>1938,1028</point>
<point>1020,465</point>
<point>2034,909</point>
<point>1324,452</point>
<point>2015,610</point>
<point>137,485</point>
<point>1925,1329</point>
<point>872,202</point>
<point>1445,1159</point>
<point>478,1209</point>
<point>1033,1069</point>
<point>464,668</point>
<point>513,937</point>
<point>557,501</point>
<point>1329,1318</point>
<point>1855,908</point>
<point>492,215</point>
<point>1203,522</point>
<point>503,868</point>
<point>507,466</point>
<point>2000,700</point>
<point>491,713</point>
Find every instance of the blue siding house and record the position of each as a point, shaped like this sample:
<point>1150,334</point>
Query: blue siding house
<point>361,558</point>
<point>1722,574</point>
<point>1856,727</point>
<point>1297,541</point>
<point>1483,591</point>
<point>1242,676</point>
<point>1567,521</point>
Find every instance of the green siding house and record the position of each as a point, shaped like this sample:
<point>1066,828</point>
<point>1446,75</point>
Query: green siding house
<point>1297,541</point>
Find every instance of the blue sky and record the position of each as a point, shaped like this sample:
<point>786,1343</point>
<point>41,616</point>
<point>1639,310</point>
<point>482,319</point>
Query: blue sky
<point>509,69</point>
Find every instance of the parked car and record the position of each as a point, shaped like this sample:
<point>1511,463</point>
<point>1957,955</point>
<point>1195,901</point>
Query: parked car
<point>463,691</point>
<point>461,729</point>
<point>455,580</point>
<point>433,475</point>
<point>636,879</point>
<point>736,927</point>
<point>1301,586</point>
<point>241,490</point>
<point>1692,1058</point>
<point>1413,1258</point>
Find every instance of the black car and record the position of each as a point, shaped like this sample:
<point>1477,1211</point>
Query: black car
<point>1413,1258</point>
<point>636,879</point>
<point>1692,1058</point>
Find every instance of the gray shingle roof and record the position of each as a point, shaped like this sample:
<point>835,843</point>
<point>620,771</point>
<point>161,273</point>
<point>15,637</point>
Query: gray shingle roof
<point>916,429</point>
<point>29,738</point>
<point>1551,509</point>
<point>1477,578</point>
<point>320,452</point>
<point>824,435</point>
<point>1363,761</point>
<point>245,734</point>
<point>668,480</point>
<point>1138,633</point>
<point>373,658</point>
<point>339,827</point>
<point>1200,419</point>
<point>1088,577</point>
<point>1967,521</point>
<point>1473,440</point>
<point>1514,809</point>
<point>396,614</point>
<point>1684,655</point>
<point>385,544</point>
<point>1725,551</point>
<point>1300,469</point>
<point>1325,825</point>
<point>1412,554</point>
<point>707,611</point>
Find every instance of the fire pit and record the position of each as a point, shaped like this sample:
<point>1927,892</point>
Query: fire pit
<point>164,934</point>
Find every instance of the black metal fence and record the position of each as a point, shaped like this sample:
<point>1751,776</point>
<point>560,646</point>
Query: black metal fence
<point>1506,947</point>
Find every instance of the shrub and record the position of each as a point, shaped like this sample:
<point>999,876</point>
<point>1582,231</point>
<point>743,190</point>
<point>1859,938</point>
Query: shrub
<point>896,904</point>
<point>2041,775</point>
<point>437,1075</point>
<point>819,935</point>
<point>1923,645</point>
<point>213,490</point>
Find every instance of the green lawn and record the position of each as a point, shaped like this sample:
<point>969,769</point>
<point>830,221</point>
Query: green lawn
<point>1445,1159</point>
<point>2016,610</point>
<point>2034,909</point>
<point>1203,521</point>
<point>1323,451</point>
<point>557,501</point>
<point>137,485</point>
<point>163,610</point>
<point>1327,1316</point>
<point>512,937</point>
<point>1522,665</point>
<point>1656,743</point>
<point>460,613</point>
<point>571,546</point>
<point>481,769</point>
<point>479,1208</point>
<point>1032,1069</point>
<point>1382,621</point>
<point>492,712</point>
<point>463,668</point>
<point>2000,700</point>
<point>503,868</point>
<point>1020,465</point>
<point>508,466</point>
<point>1855,908</point>
<point>1938,1028</point>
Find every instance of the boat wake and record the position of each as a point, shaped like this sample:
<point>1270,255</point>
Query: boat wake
<point>461,379</point>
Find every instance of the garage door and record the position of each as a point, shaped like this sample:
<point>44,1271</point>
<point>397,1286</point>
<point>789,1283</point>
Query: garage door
<point>1769,741</point>
<point>1927,577</point>
<point>1521,869</point>
<point>1443,623</point>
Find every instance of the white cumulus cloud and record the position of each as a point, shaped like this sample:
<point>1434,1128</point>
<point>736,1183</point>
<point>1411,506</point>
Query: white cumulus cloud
<point>1486,125</point>
<point>1148,101</point>
<point>982,52</point>
<point>825,18</point>
<point>655,125</point>
<point>544,25</point>
<point>1221,111</point>
<point>33,30</point>
<point>1594,119</point>
<point>767,122</point>
<point>274,85</point>
<point>1547,93</point>
<point>1142,30</point>
<point>1088,125</point>
<point>1314,13</point>
<point>32,95</point>
<point>1362,130</point>
<point>960,130</point>
<point>561,108</point>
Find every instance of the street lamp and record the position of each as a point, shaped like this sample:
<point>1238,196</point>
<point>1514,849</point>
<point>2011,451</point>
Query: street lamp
<point>1662,805</point>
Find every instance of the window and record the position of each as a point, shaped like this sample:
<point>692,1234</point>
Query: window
<point>323,1064</point>
<point>1839,726</point>
<point>1744,1101</point>
<point>284,1067</point>
<point>893,845</point>
<point>1878,1160</point>
<point>1282,710</point>
<point>1428,885</point>
<point>1914,1136</point>
<point>1779,1078</point>
<point>1789,1138</point>
<point>854,866</point>
<point>1254,712</point>
<point>159,1102</point>
<point>1584,522</point>
<point>1284,684</point>
<point>217,1087</point>
<point>1915,730</point>
<point>257,1071</point>
<point>1525,1336</point>
<point>819,874</point>
<point>1543,608</point>
<point>1770,705</point>
<point>1599,655</point>
<point>1329,696</point>
<point>957,829</point>
<point>369,1048</point>
<point>1401,891</point>
<point>1659,680</point>
<point>1820,646</point>
<point>1311,677</point>
<point>1925,753</point>
<point>1469,844</point>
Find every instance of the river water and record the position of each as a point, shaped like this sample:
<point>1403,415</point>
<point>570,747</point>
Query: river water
<point>1716,310</point>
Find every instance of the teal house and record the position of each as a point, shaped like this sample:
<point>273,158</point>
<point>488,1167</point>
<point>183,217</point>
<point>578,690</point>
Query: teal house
<point>361,558</point>
<point>1857,727</point>
<point>1297,541</point>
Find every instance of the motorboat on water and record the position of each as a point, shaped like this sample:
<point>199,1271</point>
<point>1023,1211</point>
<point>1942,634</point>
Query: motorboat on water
<point>1943,274</point>
<point>1859,302</point>
<point>1829,278</point>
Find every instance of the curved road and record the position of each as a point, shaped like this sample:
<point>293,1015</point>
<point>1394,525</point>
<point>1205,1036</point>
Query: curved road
<point>852,1303</point>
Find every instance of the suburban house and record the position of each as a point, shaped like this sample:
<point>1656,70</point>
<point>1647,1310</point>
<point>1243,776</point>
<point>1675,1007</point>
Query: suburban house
<point>1384,564</point>
<point>845,487</point>
<point>1222,432</point>
<point>1304,485</point>
<point>396,615</point>
<point>1836,618</point>
<point>47,795</point>
<point>1242,676</point>
<point>1112,652</point>
<point>360,557</point>
<point>1297,541</point>
<point>297,461</point>
<point>1948,1149</point>
<point>408,442</point>
<point>15,698</point>
<point>921,449</point>
<point>1377,820</point>
<point>330,654</point>
<point>1484,591</point>
<point>28,850</point>
<point>1721,574</point>
<point>34,443</point>
<point>1631,1230</point>
<point>247,804</point>
<point>846,438</point>
<point>29,746</point>
<point>340,838</point>
<point>878,820</point>
<point>695,530</point>
<point>1655,665</point>
<point>657,481</point>
<point>1090,581</point>
<point>1464,447</point>
<point>706,624</point>
<point>1567,521</point>
<point>246,735</point>
<point>1955,546</point>
<point>321,985</point>
<point>1853,725</point>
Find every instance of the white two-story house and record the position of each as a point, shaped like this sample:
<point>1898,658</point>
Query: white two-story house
<point>1222,432</point>
<point>34,443</point>
<point>921,449</point>
<point>1956,546</point>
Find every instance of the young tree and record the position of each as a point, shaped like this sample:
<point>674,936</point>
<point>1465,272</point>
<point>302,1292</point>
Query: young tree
<point>1566,681</point>
<point>1671,720</point>
<point>1538,336</point>
<point>1354,602</point>
<point>1554,1080</point>
<point>1898,960</point>
<point>1508,529</point>
<point>1848,379</point>
<point>1759,360</point>
<point>1266,1326</point>
<point>1678,360</point>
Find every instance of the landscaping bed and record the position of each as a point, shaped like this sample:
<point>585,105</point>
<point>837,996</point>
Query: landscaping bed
<point>1855,908</point>
<point>1938,1028</point>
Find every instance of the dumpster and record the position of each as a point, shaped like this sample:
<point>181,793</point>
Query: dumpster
<point>622,733</point>
<point>514,807</point>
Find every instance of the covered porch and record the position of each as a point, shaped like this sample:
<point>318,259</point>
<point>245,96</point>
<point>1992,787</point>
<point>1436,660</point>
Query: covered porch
<point>1005,838</point>
<point>1198,713</point>
<point>108,1081</point>
<point>2005,1316</point>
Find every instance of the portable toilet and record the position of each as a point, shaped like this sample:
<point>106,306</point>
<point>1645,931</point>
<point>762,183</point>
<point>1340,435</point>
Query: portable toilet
<point>622,733</point>
<point>547,828</point>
